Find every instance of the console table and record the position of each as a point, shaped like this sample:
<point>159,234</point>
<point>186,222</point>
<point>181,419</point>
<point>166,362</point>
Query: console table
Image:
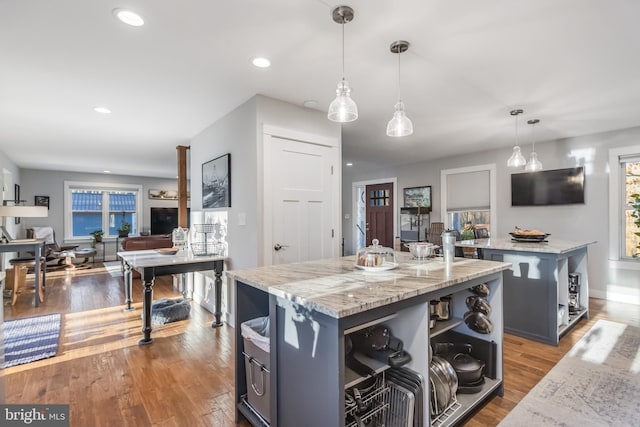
<point>152,263</point>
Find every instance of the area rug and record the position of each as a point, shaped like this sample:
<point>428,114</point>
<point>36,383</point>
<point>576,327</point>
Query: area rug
<point>30,339</point>
<point>596,384</point>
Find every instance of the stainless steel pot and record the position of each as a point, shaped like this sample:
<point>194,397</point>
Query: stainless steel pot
<point>422,250</point>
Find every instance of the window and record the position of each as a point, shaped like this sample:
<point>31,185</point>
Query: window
<point>92,206</point>
<point>630,167</point>
<point>477,218</point>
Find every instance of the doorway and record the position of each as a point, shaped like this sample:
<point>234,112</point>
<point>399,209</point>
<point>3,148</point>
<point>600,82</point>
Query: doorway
<point>379,214</point>
<point>361,212</point>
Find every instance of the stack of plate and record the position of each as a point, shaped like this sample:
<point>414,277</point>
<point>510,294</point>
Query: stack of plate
<point>533,238</point>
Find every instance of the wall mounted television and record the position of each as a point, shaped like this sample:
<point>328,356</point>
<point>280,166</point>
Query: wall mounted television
<point>550,187</point>
<point>164,220</point>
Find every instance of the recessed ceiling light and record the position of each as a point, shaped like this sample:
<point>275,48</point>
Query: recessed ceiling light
<point>105,171</point>
<point>129,17</point>
<point>261,62</point>
<point>349,164</point>
<point>310,103</point>
<point>102,110</point>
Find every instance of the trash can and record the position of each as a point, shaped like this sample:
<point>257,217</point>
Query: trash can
<point>255,334</point>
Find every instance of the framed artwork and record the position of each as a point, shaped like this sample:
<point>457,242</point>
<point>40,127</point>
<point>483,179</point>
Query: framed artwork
<point>16,199</point>
<point>42,201</point>
<point>163,194</point>
<point>216,182</point>
<point>417,197</point>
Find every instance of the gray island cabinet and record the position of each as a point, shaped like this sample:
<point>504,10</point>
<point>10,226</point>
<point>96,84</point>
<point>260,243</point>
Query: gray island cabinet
<point>539,303</point>
<point>313,306</point>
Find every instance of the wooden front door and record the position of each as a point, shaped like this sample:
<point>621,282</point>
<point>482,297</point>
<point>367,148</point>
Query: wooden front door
<point>379,213</point>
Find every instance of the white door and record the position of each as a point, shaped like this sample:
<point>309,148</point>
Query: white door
<point>302,200</point>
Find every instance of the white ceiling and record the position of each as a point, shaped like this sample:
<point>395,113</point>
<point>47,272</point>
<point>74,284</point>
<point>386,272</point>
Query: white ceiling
<point>574,64</point>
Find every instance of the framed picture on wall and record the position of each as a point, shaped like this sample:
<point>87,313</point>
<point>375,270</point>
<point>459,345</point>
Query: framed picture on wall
<point>216,182</point>
<point>417,197</point>
<point>42,201</point>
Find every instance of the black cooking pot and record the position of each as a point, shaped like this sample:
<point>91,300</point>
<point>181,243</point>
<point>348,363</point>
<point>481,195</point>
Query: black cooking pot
<point>481,290</point>
<point>468,369</point>
<point>478,322</point>
<point>479,304</point>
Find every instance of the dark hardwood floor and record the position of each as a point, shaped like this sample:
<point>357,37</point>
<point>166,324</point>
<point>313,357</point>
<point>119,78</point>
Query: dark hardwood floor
<point>185,378</point>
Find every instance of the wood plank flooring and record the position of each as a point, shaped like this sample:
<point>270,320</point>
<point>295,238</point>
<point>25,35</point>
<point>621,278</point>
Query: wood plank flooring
<point>185,378</point>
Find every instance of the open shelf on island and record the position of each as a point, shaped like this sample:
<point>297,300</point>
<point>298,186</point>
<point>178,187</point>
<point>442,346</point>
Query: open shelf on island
<point>444,326</point>
<point>573,318</point>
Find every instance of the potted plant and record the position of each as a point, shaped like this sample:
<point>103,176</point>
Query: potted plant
<point>124,229</point>
<point>467,232</point>
<point>97,235</point>
<point>635,204</point>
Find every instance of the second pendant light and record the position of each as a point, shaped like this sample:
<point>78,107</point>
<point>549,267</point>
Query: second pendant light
<point>400,124</point>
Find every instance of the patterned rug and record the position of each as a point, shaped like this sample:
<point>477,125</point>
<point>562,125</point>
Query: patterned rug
<point>30,339</point>
<point>596,384</point>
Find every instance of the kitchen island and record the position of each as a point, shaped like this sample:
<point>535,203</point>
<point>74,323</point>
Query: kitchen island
<point>313,306</point>
<point>537,302</point>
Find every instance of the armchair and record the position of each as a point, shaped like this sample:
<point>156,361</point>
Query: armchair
<point>61,256</point>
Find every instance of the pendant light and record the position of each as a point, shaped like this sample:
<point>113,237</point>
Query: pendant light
<point>400,124</point>
<point>343,109</point>
<point>517,159</point>
<point>533,165</point>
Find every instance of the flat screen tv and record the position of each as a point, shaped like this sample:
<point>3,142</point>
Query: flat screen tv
<point>164,220</point>
<point>550,187</point>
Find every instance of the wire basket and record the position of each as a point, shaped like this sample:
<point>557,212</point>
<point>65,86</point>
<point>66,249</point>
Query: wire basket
<point>204,248</point>
<point>207,228</point>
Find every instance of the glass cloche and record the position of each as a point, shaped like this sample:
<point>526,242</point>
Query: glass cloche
<point>376,257</point>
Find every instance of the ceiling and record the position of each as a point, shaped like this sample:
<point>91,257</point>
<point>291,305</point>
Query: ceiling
<point>572,64</point>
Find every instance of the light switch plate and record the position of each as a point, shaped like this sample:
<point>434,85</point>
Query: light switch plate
<point>242,218</point>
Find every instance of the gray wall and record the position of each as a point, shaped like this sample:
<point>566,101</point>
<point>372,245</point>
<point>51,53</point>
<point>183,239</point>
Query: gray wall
<point>570,222</point>
<point>235,133</point>
<point>51,183</point>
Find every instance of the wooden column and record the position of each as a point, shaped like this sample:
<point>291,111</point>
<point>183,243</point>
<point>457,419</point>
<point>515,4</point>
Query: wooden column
<point>182,186</point>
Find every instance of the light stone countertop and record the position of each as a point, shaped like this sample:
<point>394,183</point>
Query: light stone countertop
<point>552,246</point>
<point>338,289</point>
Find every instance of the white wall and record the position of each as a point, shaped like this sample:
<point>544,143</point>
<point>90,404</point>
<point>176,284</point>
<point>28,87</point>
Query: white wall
<point>569,222</point>
<point>235,133</point>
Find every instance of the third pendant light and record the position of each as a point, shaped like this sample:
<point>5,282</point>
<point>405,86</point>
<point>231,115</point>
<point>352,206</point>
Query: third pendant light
<point>400,124</point>
<point>533,165</point>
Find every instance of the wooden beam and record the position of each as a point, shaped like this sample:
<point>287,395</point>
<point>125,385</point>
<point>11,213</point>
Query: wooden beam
<point>182,186</point>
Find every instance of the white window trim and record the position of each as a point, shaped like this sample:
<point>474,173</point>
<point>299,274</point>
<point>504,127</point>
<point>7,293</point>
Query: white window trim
<point>103,186</point>
<point>493,209</point>
<point>615,207</point>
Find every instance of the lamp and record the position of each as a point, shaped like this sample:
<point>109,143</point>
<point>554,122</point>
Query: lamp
<point>533,165</point>
<point>400,124</point>
<point>19,211</point>
<point>343,109</point>
<point>517,159</point>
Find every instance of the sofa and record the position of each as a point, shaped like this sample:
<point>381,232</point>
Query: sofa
<point>139,243</point>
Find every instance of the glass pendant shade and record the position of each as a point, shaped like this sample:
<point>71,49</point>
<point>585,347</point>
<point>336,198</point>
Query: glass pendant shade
<point>400,124</point>
<point>533,165</point>
<point>343,109</point>
<point>517,159</point>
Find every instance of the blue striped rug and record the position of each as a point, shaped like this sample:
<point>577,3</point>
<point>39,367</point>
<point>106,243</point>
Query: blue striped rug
<point>30,339</point>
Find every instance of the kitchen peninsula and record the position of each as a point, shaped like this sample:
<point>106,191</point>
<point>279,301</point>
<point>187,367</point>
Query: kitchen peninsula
<point>537,301</point>
<point>313,306</point>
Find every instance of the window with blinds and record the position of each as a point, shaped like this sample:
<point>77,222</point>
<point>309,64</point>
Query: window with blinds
<point>91,207</point>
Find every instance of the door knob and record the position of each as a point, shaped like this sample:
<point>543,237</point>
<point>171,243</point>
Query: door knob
<point>278,246</point>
